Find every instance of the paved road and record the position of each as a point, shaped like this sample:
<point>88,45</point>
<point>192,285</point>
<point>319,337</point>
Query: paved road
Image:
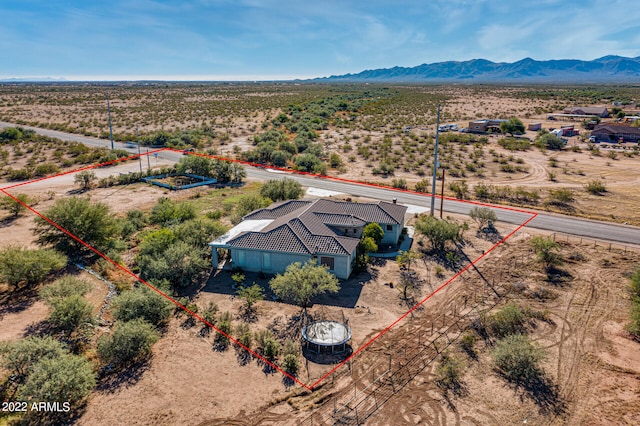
<point>544,221</point>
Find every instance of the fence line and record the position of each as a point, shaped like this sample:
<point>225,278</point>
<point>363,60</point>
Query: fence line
<point>560,237</point>
<point>355,403</point>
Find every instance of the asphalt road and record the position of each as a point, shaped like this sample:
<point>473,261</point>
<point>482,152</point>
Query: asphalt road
<point>549,222</point>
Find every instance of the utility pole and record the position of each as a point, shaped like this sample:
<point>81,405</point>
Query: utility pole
<point>148,161</point>
<point>109,115</point>
<point>435,166</point>
<point>442,194</point>
<point>139,156</point>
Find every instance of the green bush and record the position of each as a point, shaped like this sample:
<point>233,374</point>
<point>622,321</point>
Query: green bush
<point>595,187</point>
<point>65,287</point>
<point>448,373</point>
<point>509,320</point>
<point>141,302</point>
<point>130,342</point>
<point>31,267</point>
<point>167,211</point>
<point>517,359</point>
<point>282,189</point>
<point>70,312</point>
<point>290,364</point>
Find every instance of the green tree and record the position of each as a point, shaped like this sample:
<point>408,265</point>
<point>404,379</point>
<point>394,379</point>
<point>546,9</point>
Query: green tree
<point>31,267</point>
<point>438,232</point>
<point>156,241</point>
<point>86,179</point>
<point>405,258</point>
<point>70,312</point>
<point>511,126</point>
<point>549,141</point>
<point>199,232</point>
<point>373,230</point>
<point>19,357</point>
<point>142,302</point>
<point>483,216</point>
<point>517,359</point>
<point>92,223</point>
<point>195,164</point>
<point>130,342</point>
<point>15,207</point>
<point>65,378</point>
<point>282,189</point>
<point>248,203</point>
<point>301,282</point>
<point>250,295</point>
<point>290,364</point>
<point>547,251</point>
<point>367,245</point>
<point>179,263</point>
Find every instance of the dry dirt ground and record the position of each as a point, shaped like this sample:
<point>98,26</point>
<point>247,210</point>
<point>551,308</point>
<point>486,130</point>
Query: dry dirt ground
<point>590,361</point>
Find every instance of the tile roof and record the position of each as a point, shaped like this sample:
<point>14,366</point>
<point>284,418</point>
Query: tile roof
<point>616,129</point>
<point>304,226</point>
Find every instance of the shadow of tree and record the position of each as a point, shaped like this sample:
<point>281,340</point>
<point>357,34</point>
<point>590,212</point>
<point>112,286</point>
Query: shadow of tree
<point>111,380</point>
<point>558,277</point>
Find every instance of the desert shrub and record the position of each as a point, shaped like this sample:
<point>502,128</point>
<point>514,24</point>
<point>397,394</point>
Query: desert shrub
<point>130,342</point>
<point>19,357</point>
<point>290,364</point>
<point>225,328</point>
<point>547,251</point>
<point>399,183</point>
<point>595,187</point>
<point>282,189</point>
<point>167,211</point>
<point>251,295</point>
<point>634,324</point>
<point>467,341</point>
<point>448,373</point>
<point>271,349</point>
<point>31,267</point>
<point>561,196</point>
<point>65,287</point>
<point>70,312</point>
<point>423,186</point>
<point>199,232</point>
<point>243,335</point>
<point>515,144</point>
<point>141,302</point>
<point>509,320</point>
<point>634,287</point>
<point>517,359</point>
<point>459,188</point>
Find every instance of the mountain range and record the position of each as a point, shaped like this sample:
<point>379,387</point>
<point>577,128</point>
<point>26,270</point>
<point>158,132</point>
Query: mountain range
<point>608,69</point>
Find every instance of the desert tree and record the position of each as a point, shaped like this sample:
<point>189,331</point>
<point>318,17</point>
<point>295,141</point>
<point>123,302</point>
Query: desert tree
<point>483,216</point>
<point>86,179</point>
<point>92,223</point>
<point>511,126</point>
<point>547,251</point>
<point>438,232</point>
<point>250,295</point>
<point>373,230</point>
<point>15,207</point>
<point>141,302</point>
<point>301,282</point>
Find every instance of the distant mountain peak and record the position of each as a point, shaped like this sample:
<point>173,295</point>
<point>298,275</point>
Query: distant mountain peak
<point>608,69</point>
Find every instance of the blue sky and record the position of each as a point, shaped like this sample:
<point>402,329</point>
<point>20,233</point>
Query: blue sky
<point>270,39</point>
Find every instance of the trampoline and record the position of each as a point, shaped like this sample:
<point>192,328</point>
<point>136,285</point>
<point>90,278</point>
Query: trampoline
<point>326,337</point>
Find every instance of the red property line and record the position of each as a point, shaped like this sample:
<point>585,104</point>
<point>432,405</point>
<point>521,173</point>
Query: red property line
<point>198,317</point>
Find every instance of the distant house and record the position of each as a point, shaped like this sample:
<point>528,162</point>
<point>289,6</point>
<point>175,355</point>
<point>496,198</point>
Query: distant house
<point>610,132</point>
<point>268,240</point>
<point>601,112</point>
<point>484,126</point>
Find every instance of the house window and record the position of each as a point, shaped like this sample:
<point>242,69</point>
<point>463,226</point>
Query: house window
<point>241,257</point>
<point>327,261</point>
<point>266,261</point>
<point>389,228</point>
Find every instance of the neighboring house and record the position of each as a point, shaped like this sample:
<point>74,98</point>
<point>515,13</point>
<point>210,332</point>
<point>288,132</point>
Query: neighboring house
<point>601,112</point>
<point>616,133</point>
<point>268,240</point>
<point>484,126</point>
<point>534,126</point>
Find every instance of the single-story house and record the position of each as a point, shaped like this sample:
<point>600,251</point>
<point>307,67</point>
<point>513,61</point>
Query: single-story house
<point>601,112</point>
<point>610,132</point>
<point>270,239</point>
<point>484,126</point>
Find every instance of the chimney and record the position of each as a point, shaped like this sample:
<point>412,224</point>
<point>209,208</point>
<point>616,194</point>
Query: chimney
<point>395,201</point>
